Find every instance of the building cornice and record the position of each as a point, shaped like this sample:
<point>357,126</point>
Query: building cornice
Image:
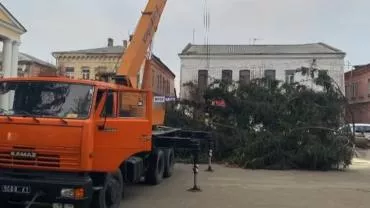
<point>264,56</point>
<point>11,27</point>
<point>18,27</point>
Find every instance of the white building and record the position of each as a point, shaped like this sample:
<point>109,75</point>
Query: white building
<point>202,64</point>
<point>10,35</point>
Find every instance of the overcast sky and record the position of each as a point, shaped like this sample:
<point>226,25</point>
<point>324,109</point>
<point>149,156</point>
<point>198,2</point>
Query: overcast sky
<point>81,24</point>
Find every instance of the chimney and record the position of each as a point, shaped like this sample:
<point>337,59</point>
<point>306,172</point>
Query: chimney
<point>125,43</point>
<point>110,42</point>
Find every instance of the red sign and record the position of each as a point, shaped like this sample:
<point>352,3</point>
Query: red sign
<point>219,103</point>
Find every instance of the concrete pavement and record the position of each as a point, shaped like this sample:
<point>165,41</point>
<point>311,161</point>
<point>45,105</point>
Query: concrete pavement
<point>233,187</point>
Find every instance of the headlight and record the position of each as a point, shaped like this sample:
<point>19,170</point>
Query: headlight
<point>67,193</point>
<point>77,194</point>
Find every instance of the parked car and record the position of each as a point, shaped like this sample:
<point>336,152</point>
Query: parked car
<point>361,132</point>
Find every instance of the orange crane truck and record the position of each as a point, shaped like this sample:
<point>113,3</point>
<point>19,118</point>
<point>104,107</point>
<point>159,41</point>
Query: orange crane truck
<point>68,143</point>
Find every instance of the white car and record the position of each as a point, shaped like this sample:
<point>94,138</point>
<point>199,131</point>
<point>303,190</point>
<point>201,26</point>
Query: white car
<point>360,129</point>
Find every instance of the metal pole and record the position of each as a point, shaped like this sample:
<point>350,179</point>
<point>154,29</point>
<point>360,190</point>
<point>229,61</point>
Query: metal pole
<point>210,153</point>
<point>195,188</point>
<point>195,169</point>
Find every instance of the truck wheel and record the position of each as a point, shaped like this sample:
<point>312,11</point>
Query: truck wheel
<point>154,175</point>
<point>111,194</point>
<point>169,156</point>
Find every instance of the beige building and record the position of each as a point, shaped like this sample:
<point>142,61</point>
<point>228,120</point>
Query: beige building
<point>10,35</point>
<point>88,63</point>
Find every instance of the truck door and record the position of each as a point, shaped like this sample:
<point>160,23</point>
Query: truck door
<point>118,135</point>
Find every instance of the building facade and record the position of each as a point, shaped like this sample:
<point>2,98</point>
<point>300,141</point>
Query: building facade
<point>92,63</point>
<point>357,88</point>
<point>202,64</point>
<point>10,35</point>
<point>29,66</point>
<point>163,79</point>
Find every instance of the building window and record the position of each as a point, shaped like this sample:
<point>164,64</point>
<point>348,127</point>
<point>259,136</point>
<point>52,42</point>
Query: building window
<point>163,86</point>
<point>270,74</point>
<point>347,91</point>
<point>322,72</point>
<point>168,87</point>
<point>368,86</point>
<point>227,76</point>
<point>244,76</point>
<point>85,73</point>
<point>354,90</point>
<point>20,72</point>
<point>153,79</point>
<point>289,76</point>
<point>160,84</point>
<point>202,79</point>
<point>70,72</point>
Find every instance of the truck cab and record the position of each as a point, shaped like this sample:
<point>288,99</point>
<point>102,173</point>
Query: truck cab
<point>60,137</point>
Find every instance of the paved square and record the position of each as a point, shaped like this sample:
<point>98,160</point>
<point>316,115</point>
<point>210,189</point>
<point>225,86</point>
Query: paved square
<point>233,187</point>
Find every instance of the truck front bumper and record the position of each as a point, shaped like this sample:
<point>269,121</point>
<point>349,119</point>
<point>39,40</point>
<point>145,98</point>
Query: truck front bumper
<point>20,187</point>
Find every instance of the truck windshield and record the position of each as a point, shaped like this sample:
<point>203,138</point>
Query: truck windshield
<point>45,99</point>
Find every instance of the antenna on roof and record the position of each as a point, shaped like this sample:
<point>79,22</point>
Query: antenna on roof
<point>256,39</point>
<point>194,36</point>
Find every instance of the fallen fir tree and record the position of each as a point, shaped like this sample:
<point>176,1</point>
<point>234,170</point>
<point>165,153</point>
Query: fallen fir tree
<point>266,124</point>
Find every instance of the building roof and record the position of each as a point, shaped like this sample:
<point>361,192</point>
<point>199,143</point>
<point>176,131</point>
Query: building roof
<point>357,70</point>
<point>159,61</point>
<point>363,66</point>
<point>23,57</point>
<point>104,50</point>
<point>108,50</point>
<point>18,24</point>
<point>311,48</point>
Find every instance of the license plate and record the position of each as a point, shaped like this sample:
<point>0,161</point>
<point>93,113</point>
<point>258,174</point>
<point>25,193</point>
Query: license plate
<point>15,189</point>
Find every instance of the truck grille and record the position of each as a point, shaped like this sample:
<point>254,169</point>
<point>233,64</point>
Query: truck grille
<point>55,157</point>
